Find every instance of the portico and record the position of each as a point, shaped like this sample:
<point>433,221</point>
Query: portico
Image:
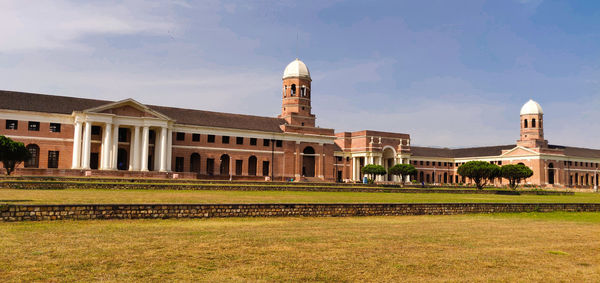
<point>127,126</point>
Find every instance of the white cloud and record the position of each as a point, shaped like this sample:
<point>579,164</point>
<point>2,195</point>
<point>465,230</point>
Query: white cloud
<point>28,25</point>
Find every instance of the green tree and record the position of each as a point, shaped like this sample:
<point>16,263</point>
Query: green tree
<point>373,170</point>
<point>12,153</point>
<point>515,173</point>
<point>403,170</point>
<point>480,172</point>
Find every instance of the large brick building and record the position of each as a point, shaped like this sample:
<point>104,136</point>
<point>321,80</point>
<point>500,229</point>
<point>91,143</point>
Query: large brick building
<point>76,136</point>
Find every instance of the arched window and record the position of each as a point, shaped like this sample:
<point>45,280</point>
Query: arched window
<point>525,124</point>
<point>533,123</point>
<point>303,91</point>
<point>34,161</point>
<point>252,165</point>
<point>293,90</point>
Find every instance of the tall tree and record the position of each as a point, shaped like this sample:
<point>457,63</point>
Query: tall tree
<point>402,170</point>
<point>515,173</point>
<point>12,153</point>
<point>373,170</point>
<point>480,172</point>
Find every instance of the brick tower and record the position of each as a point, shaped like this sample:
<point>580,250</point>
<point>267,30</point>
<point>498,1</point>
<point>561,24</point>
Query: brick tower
<point>532,126</point>
<point>295,106</point>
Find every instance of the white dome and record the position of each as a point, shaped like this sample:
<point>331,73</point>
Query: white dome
<point>531,107</point>
<point>296,69</point>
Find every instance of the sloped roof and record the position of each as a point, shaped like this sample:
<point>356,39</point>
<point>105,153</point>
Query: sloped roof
<point>459,152</point>
<point>578,151</point>
<point>66,105</point>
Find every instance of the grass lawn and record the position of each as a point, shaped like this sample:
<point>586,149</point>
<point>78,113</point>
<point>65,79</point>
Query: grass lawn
<point>74,196</point>
<point>501,247</point>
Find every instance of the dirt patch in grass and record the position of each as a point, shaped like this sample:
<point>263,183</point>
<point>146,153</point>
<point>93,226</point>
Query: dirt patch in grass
<point>423,248</point>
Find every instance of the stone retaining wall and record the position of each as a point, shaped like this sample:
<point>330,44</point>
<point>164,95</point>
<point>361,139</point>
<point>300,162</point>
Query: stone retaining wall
<point>164,211</point>
<point>252,187</point>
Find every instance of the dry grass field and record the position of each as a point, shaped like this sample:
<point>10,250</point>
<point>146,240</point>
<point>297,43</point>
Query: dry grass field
<point>75,196</point>
<point>504,247</point>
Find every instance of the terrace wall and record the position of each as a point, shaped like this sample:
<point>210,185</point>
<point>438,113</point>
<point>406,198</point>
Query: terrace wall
<point>164,211</point>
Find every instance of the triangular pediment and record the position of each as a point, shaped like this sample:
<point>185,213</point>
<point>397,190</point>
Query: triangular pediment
<point>519,151</point>
<point>128,107</point>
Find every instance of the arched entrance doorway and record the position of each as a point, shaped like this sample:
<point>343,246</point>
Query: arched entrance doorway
<point>551,174</point>
<point>195,163</point>
<point>308,162</point>
<point>224,168</point>
<point>122,159</point>
<point>388,155</point>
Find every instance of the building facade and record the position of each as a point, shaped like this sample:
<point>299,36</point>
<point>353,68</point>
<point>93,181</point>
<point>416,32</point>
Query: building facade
<point>86,137</point>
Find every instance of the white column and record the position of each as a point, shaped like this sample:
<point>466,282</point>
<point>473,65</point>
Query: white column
<point>77,146</point>
<point>157,138</point>
<point>163,150</point>
<point>132,142</point>
<point>145,142</point>
<point>169,150</point>
<point>354,168</point>
<point>106,145</point>
<point>135,148</point>
<point>87,139</point>
<point>115,147</point>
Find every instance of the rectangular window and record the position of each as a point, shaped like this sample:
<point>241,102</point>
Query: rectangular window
<point>196,137</point>
<point>178,164</point>
<point>500,162</point>
<point>278,143</point>
<point>210,166</point>
<point>421,162</point>
<point>266,142</point>
<point>34,126</point>
<point>96,130</point>
<point>180,136</point>
<point>122,134</point>
<point>439,163</point>
<point>55,127</point>
<point>265,168</point>
<point>12,124</point>
<point>210,139</point>
<point>225,139</point>
<point>427,163</point>
<point>238,167</point>
<point>252,141</point>
<point>239,140</point>
<point>53,159</point>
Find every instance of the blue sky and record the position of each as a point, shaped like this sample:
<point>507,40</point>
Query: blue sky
<point>450,73</point>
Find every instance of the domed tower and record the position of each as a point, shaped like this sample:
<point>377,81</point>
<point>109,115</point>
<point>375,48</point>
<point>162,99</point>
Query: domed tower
<point>295,108</point>
<point>532,126</point>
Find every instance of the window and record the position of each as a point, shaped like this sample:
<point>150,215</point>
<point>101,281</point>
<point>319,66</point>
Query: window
<point>122,134</point>
<point>179,164</point>
<point>96,130</point>
<point>180,136</point>
<point>266,142</point>
<point>210,139</point>
<point>421,162</point>
<point>210,166</point>
<point>265,168</point>
<point>238,167</point>
<point>239,140</point>
<point>427,163</point>
<point>500,162</point>
<point>55,127</point>
<point>252,141</point>
<point>525,124</point>
<point>415,162</point>
<point>278,143</point>
<point>52,159</point>
<point>439,163</point>
<point>293,90</point>
<point>12,124</point>
<point>252,165</point>
<point>303,91</point>
<point>533,123</point>
<point>34,161</point>
<point>34,126</point>
<point>196,137</point>
<point>302,123</point>
<point>225,139</point>
<point>445,163</point>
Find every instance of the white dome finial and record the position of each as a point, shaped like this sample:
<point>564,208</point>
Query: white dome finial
<point>531,107</point>
<point>295,69</point>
